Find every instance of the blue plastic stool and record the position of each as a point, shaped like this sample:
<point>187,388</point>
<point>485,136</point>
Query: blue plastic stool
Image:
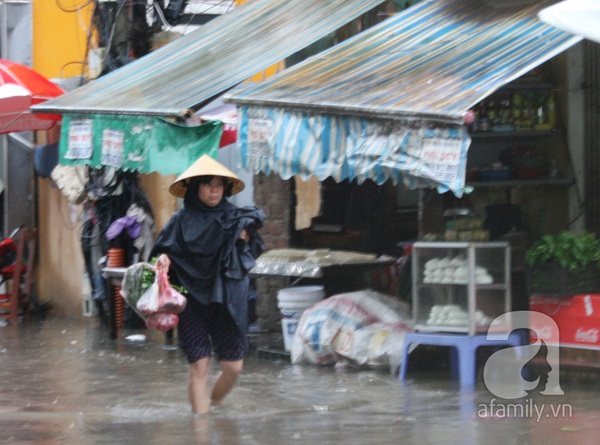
<point>465,346</point>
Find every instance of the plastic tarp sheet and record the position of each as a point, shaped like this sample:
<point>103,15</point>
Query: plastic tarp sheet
<point>142,143</point>
<point>363,328</point>
<point>310,263</point>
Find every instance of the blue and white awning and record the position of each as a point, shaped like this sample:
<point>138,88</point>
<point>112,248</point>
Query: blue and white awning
<point>416,152</point>
<point>389,103</point>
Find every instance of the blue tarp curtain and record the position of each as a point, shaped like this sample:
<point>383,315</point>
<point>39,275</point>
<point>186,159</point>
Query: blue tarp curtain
<point>345,147</point>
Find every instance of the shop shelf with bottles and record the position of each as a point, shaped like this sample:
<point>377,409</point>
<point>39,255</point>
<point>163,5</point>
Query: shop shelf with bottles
<point>511,126</point>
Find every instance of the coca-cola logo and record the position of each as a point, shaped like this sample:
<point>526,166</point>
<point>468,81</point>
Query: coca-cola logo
<point>544,332</point>
<point>587,336</point>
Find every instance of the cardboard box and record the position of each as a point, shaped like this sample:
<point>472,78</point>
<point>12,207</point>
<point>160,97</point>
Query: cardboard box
<point>577,319</point>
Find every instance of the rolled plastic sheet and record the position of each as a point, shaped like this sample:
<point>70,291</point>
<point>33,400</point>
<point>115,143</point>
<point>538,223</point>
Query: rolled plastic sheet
<point>309,263</point>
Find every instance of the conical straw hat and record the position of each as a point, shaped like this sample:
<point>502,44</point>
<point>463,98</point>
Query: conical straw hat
<point>202,167</point>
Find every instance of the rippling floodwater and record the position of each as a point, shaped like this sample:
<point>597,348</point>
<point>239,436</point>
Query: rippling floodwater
<point>65,382</point>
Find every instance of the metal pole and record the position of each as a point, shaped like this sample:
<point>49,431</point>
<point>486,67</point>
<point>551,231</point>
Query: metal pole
<point>420,210</point>
<point>4,29</point>
<point>4,141</point>
<point>4,156</point>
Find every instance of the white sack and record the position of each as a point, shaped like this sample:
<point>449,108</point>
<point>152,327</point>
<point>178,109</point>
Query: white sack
<point>366,328</point>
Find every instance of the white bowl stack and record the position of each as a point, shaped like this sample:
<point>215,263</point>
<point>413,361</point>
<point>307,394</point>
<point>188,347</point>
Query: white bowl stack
<point>453,271</point>
<point>454,316</point>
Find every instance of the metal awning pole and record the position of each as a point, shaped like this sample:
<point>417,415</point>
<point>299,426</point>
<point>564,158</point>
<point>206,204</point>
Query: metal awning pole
<point>4,174</point>
<point>3,139</point>
<point>4,29</point>
<point>421,206</point>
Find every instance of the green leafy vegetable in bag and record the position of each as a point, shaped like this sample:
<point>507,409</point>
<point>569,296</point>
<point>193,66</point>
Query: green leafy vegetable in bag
<point>148,276</point>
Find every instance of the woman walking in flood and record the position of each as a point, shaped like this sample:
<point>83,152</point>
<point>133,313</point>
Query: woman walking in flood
<point>208,247</point>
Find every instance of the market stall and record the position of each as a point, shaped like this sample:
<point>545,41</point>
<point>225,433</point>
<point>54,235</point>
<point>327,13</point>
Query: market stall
<point>402,116</point>
<point>408,115</point>
<point>136,118</point>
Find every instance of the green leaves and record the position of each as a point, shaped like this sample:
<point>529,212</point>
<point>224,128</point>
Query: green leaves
<point>149,275</point>
<point>573,251</point>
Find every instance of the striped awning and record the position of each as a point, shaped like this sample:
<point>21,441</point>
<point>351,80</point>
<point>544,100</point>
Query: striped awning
<point>389,103</point>
<point>182,76</point>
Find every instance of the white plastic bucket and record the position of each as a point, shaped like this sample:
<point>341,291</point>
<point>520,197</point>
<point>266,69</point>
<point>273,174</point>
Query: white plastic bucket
<point>292,302</point>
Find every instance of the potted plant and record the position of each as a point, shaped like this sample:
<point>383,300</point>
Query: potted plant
<point>564,264</point>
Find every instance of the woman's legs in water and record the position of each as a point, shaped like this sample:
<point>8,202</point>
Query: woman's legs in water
<point>230,371</point>
<point>224,383</point>
<point>198,385</point>
<point>202,327</point>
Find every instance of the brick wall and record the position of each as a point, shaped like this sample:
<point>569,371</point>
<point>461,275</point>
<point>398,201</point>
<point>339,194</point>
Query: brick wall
<point>274,196</point>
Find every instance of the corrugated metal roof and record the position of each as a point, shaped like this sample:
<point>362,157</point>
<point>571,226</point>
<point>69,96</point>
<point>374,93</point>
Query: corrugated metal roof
<point>435,60</point>
<point>197,67</point>
<point>388,103</point>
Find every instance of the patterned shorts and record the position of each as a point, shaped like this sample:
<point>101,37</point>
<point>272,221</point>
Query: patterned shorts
<point>204,327</point>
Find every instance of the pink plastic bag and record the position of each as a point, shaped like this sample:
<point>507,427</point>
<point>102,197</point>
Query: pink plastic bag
<point>162,321</point>
<point>160,297</point>
<point>169,300</point>
<point>148,302</point>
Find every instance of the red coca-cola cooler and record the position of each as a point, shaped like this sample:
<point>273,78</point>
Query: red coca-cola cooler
<point>577,320</point>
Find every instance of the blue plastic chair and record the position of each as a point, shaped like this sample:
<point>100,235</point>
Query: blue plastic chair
<point>463,358</point>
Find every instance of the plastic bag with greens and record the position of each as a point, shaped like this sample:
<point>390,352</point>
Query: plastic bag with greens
<point>137,279</point>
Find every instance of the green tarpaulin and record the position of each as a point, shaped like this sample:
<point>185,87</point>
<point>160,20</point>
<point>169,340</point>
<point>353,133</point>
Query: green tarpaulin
<point>143,143</point>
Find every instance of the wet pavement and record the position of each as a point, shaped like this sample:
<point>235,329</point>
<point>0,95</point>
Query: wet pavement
<point>64,382</point>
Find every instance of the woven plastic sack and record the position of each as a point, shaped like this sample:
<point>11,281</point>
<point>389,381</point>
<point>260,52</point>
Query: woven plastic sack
<point>364,328</point>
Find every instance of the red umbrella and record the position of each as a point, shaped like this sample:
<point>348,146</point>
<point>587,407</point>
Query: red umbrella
<point>20,88</point>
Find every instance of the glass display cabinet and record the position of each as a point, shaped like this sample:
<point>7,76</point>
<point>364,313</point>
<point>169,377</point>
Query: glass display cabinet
<point>461,287</point>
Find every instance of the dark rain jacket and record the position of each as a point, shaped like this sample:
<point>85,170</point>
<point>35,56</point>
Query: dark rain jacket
<point>207,256</point>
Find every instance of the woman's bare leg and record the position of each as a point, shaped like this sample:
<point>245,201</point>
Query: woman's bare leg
<point>230,371</point>
<point>198,385</point>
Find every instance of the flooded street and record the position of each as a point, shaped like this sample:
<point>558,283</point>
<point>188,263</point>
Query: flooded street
<point>65,382</point>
